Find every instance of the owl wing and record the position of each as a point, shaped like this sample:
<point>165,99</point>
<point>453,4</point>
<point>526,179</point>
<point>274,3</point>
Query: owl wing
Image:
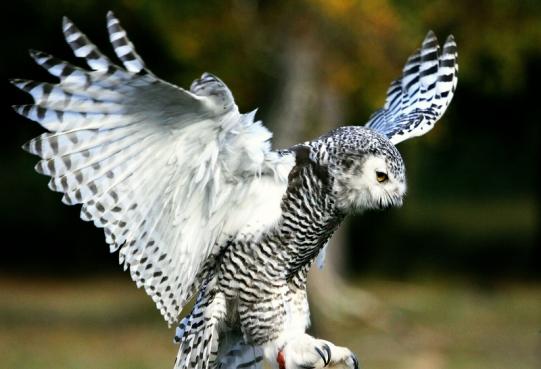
<point>418,99</point>
<point>169,174</point>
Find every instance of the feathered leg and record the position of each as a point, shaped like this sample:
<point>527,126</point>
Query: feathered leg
<point>294,349</point>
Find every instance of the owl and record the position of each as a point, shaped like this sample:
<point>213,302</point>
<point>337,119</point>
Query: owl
<point>197,204</point>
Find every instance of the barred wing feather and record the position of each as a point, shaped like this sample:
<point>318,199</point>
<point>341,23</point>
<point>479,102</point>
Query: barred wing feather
<point>160,168</point>
<point>417,100</point>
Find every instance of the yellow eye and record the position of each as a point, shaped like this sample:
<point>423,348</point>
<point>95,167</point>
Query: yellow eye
<point>381,177</point>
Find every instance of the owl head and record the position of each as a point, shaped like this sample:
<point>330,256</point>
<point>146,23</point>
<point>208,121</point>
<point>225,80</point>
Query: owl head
<point>367,170</point>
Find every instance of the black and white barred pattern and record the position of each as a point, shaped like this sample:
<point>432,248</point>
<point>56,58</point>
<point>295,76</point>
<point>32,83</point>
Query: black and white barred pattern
<point>420,97</point>
<point>265,277</point>
<point>110,148</point>
<point>190,194</point>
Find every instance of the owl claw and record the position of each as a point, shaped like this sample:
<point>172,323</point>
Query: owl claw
<point>307,352</point>
<point>326,358</point>
<point>354,361</point>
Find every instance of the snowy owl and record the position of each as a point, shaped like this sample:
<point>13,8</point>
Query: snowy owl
<point>190,193</point>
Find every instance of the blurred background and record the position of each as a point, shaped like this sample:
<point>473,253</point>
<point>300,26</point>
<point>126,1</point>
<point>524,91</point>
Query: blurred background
<point>450,280</point>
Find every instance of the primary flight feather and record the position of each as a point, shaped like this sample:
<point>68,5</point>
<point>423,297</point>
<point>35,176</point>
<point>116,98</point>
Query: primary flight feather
<point>190,193</point>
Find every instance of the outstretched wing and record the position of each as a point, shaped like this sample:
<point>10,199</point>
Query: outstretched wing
<point>417,100</point>
<point>169,174</point>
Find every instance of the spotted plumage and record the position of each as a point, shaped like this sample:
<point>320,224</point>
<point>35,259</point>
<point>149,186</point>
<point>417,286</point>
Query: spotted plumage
<point>197,204</point>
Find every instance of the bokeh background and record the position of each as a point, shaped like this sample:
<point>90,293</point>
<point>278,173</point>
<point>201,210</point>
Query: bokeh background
<point>450,280</point>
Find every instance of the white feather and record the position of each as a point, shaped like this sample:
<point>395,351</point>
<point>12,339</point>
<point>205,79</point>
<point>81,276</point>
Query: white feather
<point>168,173</point>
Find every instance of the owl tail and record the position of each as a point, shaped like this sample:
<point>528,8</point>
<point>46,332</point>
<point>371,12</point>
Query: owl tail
<point>239,355</point>
<point>197,333</point>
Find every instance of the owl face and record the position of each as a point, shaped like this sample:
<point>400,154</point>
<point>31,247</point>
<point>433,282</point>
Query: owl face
<point>367,170</point>
<point>370,181</point>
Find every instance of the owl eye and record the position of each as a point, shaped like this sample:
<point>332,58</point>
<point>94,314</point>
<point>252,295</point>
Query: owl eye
<point>381,177</point>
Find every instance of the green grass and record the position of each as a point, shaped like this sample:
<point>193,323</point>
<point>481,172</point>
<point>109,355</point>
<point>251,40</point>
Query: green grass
<point>97,324</point>
<point>102,324</point>
<point>435,325</point>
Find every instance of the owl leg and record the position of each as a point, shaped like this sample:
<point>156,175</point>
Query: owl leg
<point>303,351</point>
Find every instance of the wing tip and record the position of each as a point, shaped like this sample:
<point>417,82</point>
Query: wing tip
<point>111,16</point>
<point>123,47</point>
<point>25,85</point>
<point>20,83</point>
<point>41,58</point>
<point>430,47</point>
<point>27,146</point>
<point>40,168</point>
<point>21,109</point>
<point>36,54</point>
<point>67,24</point>
<point>430,35</point>
<point>439,71</point>
<point>450,47</point>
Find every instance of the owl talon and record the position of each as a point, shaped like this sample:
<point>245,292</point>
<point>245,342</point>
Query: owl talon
<point>352,361</point>
<point>307,352</point>
<point>326,358</point>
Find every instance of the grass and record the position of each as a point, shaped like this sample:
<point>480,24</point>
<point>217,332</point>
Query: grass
<point>108,323</point>
<point>81,324</point>
<point>437,325</point>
